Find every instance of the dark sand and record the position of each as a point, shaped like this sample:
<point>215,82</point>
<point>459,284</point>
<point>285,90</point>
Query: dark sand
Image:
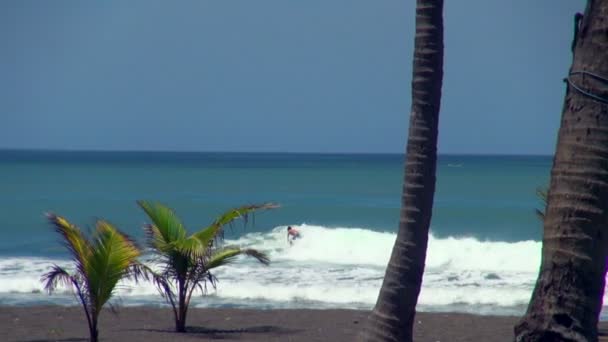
<point>53,323</point>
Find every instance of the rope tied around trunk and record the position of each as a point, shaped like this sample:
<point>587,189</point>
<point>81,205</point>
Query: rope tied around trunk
<point>596,97</point>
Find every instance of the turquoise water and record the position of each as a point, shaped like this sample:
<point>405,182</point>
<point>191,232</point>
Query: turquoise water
<point>487,197</point>
<point>483,253</point>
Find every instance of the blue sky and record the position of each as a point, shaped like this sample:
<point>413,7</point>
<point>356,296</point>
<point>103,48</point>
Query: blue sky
<point>276,75</point>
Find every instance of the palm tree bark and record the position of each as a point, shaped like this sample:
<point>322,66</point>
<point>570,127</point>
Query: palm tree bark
<point>92,326</point>
<point>393,316</point>
<point>93,332</point>
<point>567,298</point>
<point>180,323</point>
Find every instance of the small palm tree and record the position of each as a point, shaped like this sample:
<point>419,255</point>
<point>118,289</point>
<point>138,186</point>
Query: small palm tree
<point>100,263</point>
<point>188,260</point>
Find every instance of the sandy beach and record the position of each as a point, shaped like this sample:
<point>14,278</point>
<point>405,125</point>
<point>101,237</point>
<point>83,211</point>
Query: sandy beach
<point>55,323</point>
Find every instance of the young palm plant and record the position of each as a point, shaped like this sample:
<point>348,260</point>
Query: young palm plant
<point>189,259</point>
<point>100,263</point>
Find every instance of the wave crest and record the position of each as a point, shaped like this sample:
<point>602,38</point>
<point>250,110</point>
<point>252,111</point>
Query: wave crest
<point>335,267</point>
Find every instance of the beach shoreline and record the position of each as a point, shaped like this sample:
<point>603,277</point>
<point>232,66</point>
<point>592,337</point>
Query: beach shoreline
<point>60,323</point>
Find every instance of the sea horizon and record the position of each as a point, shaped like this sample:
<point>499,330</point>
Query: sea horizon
<point>102,151</point>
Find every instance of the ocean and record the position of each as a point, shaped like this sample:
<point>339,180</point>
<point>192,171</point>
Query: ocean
<point>484,249</point>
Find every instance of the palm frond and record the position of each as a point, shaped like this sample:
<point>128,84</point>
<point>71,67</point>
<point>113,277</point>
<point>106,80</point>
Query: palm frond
<point>74,239</point>
<point>192,248</point>
<point>259,256</point>
<point>242,212</point>
<point>200,282</point>
<point>207,235</point>
<point>155,240</point>
<point>227,255</point>
<point>137,271</point>
<point>161,281</point>
<point>55,277</point>
<point>112,256</point>
<point>167,223</point>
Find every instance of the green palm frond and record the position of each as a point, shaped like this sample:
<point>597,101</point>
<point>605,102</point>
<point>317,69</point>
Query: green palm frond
<point>192,248</point>
<point>74,240</point>
<point>168,226</point>
<point>156,239</point>
<point>112,255</point>
<point>208,234</point>
<point>222,257</point>
<point>228,254</point>
<point>242,212</point>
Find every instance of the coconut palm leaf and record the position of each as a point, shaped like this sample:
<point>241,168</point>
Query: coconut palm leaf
<point>242,212</point>
<point>55,277</point>
<point>74,240</point>
<point>138,271</point>
<point>112,254</point>
<point>167,225</point>
<point>161,281</point>
<point>198,242</point>
<point>59,276</point>
<point>227,255</point>
<point>156,239</point>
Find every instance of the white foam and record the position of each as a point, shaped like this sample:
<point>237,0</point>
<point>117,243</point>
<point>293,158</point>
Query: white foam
<point>353,246</point>
<point>358,246</point>
<point>22,275</point>
<point>339,267</point>
<point>472,254</point>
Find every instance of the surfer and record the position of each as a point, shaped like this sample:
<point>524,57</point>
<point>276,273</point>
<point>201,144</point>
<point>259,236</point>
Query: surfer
<point>292,234</point>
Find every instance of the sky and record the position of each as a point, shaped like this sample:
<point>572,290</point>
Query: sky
<point>276,75</point>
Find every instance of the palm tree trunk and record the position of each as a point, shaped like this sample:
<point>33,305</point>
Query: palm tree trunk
<point>567,298</point>
<point>93,332</point>
<point>393,316</point>
<point>180,323</point>
<point>91,323</point>
<point>183,315</point>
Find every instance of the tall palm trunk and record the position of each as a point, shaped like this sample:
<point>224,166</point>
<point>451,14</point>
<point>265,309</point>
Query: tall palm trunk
<point>392,318</point>
<point>567,298</point>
